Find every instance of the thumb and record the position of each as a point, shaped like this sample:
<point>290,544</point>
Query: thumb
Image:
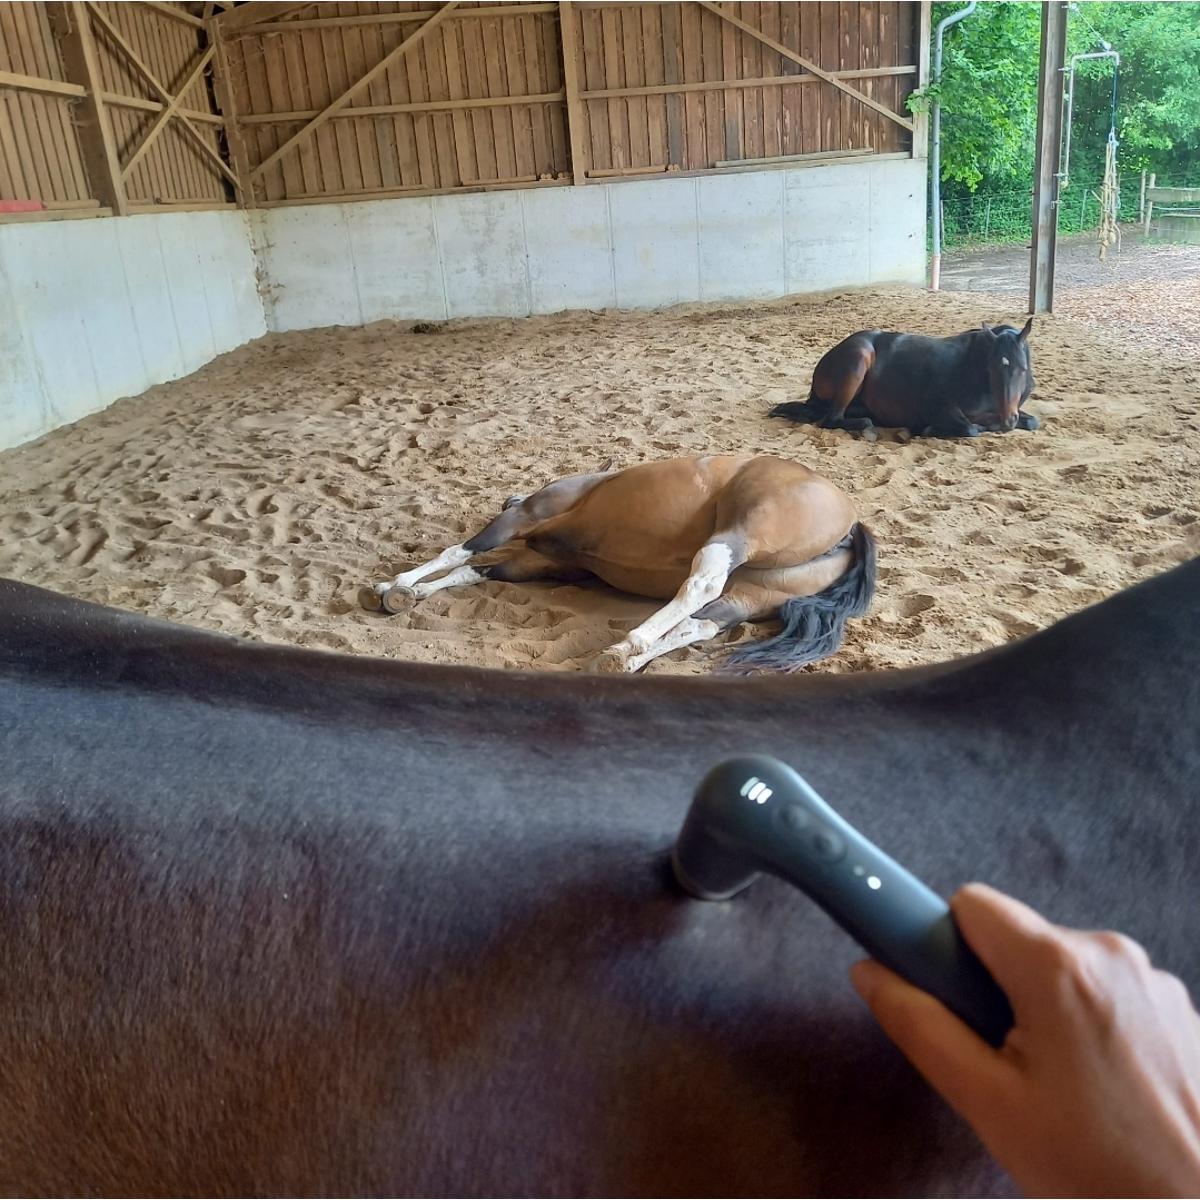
<point>956,1062</point>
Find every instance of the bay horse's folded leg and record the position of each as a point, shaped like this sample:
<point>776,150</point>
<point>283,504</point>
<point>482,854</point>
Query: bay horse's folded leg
<point>707,579</point>
<point>687,632</point>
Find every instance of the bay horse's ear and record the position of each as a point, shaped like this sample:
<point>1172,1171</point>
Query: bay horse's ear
<point>1025,332</point>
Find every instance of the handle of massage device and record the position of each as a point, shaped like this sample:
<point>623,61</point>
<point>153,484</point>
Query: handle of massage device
<point>754,813</point>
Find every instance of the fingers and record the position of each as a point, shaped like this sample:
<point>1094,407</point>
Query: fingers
<point>1009,937</point>
<point>956,1061</point>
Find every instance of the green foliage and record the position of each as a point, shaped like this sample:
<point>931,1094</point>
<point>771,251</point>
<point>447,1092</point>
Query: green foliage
<point>988,93</point>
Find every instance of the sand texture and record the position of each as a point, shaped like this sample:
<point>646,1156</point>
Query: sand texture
<point>256,495</point>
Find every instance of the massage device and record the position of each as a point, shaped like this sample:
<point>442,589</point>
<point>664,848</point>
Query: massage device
<point>755,814</point>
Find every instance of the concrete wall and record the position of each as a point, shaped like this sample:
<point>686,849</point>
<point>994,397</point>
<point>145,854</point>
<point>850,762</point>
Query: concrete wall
<point>638,244</point>
<point>93,310</point>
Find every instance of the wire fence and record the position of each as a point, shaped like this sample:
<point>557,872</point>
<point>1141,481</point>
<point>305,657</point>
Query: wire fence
<point>1000,217</point>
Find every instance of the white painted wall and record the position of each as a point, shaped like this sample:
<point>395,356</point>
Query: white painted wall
<point>641,244</point>
<point>93,310</point>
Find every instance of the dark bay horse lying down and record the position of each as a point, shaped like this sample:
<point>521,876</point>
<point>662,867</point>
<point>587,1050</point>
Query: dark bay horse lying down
<point>956,386</point>
<point>280,922</point>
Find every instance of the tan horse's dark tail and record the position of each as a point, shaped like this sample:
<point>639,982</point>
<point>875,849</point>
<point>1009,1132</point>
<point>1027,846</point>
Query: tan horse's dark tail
<point>813,626</point>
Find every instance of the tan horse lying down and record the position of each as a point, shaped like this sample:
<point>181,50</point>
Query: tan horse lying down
<point>724,539</point>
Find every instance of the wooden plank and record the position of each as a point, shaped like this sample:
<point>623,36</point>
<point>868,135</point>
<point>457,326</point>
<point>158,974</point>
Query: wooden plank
<point>886,90</point>
<point>714,100</point>
<point>552,56</point>
<point>31,83</point>
<point>633,58</point>
<point>163,94</point>
<point>867,55</point>
<point>224,90</point>
<point>261,13</point>
<point>408,17</point>
<point>495,186</point>
<point>673,73</point>
<point>518,82</point>
<point>920,133</point>
<point>73,29</point>
<point>820,155</point>
<point>696,153</point>
<point>177,14</point>
<point>380,92</point>
<point>53,214</point>
<point>848,59</point>
<point>569,32</point>
<point>39,183</point>
<point>168,110</point>
<point>535,80</point>
<point>475,78</point>
<point>115,100</point>
<point>344,141</point>
<point>614,72</point>
<point>751,54</point>
<point>39,109</point>
<point>772,115</point>
<point>442,125</point>
<point>792,104</point>
<point>831,110</point>
<point>734,98</point>
<point>464,138</point>
<point>811,101</point>
<point>656,107</point>
<point>403,48</point>
<point>271,84</point>
<point>65,138</point>
<point>501,121</point>
<point>828,76</point>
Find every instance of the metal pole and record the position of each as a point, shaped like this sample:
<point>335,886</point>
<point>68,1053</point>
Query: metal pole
<point>935,153</point>
<point>1049,155</point>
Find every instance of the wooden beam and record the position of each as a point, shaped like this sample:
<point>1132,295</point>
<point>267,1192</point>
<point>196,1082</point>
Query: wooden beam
<point>386,110</point>
<point>784,159</point>
<point>73,32</point>
<point>54,214</point>
<point>33,83</point>
<point>569,35</point>
<point>114,100</point>
<point>177,14</point>
<point>392,18</point>
<point>223,88</point>
<point>725,85</point>
<point>258,12</point>
<point>1043,251</point>
<point>920,137</point>
<point>135,59</point>
<point>378,69</point>
<point>168,111</point>
<point>827,76</point>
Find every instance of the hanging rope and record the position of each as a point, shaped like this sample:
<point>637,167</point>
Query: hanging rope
<point>1110,200</point>
<point>1110,189</point>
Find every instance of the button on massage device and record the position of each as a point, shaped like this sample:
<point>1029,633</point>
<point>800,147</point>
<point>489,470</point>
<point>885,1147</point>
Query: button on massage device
<point>755,814</point>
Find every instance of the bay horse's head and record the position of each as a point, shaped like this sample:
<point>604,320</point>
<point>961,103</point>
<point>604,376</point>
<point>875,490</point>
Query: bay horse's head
<point>1009,370</point>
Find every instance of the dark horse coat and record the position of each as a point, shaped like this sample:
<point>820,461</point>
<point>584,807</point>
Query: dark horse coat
<point>278,922</point>
<point>956,386</point>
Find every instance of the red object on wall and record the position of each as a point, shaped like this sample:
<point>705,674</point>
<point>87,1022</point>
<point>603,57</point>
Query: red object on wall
<point>15,206</point>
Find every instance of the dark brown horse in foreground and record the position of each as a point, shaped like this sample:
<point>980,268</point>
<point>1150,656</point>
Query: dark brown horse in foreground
<point>945,387</point>
<point>280,922</point>
<point>723,538</point>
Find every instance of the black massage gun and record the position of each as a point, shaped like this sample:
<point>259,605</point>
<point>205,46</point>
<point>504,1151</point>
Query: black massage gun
<point>755,814</point>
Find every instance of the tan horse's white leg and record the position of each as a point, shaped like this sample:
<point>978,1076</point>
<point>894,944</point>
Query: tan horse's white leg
<point>459,577</point>
<point>710,572</point>
<point>687,632</point>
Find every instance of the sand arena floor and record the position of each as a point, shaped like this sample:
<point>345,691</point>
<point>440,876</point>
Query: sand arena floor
<point>256,495</point>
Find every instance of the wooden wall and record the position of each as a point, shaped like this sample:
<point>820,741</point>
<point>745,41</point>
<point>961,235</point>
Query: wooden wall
<point>295,103</point>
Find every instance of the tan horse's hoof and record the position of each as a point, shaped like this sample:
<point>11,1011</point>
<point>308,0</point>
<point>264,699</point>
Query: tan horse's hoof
<point>370,598</point>
<point>609,662</point>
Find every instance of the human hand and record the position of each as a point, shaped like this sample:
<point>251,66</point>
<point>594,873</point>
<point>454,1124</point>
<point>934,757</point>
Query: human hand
<point>1096,1091</point>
